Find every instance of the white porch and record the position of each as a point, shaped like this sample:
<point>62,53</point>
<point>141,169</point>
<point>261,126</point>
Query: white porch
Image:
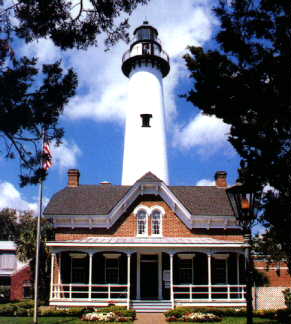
<point>128,271</point>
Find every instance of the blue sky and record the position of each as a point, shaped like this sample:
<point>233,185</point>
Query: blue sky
<point>94,118</point>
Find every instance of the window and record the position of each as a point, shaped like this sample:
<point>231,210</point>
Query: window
<point>112,268</point>
<point>186,268</point>
<point>186,271</point>
<point>146,120</point>
<point>7,261</point>
<point>145,215</point>
<point>27,289</point>
<point>156,222</point>
<point>141,222</point>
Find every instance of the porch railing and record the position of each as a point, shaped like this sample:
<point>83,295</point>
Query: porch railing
<point>209,292</point>
<point>89,292</point>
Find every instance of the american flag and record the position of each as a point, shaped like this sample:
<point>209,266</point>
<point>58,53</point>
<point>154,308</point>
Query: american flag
<point>47,159</point>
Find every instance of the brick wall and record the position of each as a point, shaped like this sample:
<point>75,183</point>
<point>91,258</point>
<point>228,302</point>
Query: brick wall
<point>17,281</point>
<point>276,274</point>
<point>126,226</point>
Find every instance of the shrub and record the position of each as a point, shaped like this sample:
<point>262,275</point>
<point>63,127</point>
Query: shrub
<point>287,297</point>
<point>284,316</point>
<point>8,309</point>
<point>61,311</point>
<point>179,312</point>
<point>4,293</point>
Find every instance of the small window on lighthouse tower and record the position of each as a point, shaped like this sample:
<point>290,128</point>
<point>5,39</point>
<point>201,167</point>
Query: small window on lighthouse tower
<point>146,120</point>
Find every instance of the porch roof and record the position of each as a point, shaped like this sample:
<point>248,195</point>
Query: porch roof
<point>148,241</point>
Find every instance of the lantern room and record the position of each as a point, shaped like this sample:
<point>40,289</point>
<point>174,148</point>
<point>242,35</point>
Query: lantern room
<point>145,48</point>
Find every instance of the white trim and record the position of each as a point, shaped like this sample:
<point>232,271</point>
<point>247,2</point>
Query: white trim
<point>152,244</point>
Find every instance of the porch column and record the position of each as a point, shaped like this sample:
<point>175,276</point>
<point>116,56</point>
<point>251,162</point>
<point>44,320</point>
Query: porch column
<point>138,276</point>
<point>171,280</point>
<point>90,275</point>
<point>53,256</point>
<point>237,275</point>
<point>59,275</point>
<point>160,275</point>
<point>209,276</point>
<point>128,279</point>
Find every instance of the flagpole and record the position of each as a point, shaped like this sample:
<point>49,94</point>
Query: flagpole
<point>36,275</point>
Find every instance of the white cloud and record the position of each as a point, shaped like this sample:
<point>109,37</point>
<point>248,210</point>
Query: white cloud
<point>65,155</point>
<point>207,133</point>
<point>10,197</point>
<point>103,88</point>
<point>205,182</point>
<point>43,49</point>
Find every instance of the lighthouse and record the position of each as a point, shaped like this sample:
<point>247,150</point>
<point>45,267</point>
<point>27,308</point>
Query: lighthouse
<point>145,64</point>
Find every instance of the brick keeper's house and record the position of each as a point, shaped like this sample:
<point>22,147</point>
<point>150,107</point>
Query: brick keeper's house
<point>145,244</point>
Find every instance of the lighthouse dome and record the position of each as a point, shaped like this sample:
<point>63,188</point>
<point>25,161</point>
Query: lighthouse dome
<point>145,49</point>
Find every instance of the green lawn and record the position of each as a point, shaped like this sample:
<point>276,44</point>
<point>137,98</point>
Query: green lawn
<point>74,320</point>
<point>237,320</point>
<point>44,320</point>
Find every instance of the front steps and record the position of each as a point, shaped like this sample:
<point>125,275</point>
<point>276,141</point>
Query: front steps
<point>151,306</point>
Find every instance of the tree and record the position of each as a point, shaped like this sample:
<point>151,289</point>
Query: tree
<point>246,81</point>
<point>32,98</point>
<point>26,248</point>
<point>8,224</point>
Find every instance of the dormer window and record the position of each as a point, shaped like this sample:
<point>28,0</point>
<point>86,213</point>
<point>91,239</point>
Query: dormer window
<point>146,120</point>
<point>156,222</point>
<point>141,223</point>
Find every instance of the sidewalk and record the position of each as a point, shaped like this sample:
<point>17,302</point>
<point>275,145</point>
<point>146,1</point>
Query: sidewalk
<point>150,318</point>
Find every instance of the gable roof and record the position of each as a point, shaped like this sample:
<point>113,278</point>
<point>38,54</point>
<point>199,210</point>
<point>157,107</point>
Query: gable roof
<point>101,199</point>
<point>149,177</point>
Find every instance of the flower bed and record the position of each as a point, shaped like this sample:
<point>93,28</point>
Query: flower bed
<point>196,317</point>
<point>109,314</point>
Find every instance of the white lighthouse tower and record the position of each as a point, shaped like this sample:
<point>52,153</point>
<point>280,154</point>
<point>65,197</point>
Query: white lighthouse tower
<point>145,149</point>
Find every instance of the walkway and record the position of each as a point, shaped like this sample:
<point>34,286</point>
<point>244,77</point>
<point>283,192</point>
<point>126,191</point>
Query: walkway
<point>150,318</point>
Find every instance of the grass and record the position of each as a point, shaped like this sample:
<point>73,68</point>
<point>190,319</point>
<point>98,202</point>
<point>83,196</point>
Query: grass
<point>238,320</point>
<point>74,320</point>
<point>44,320</point>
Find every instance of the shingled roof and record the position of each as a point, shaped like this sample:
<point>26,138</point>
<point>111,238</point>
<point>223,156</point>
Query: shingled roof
<point>100,200</point>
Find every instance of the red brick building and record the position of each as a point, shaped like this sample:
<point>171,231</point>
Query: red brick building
<point>177,244</point>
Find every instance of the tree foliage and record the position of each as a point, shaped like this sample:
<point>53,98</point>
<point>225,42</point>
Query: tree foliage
<point>8,224</point>
<point>32,98</point>
<point>246,81</point>
<point>26,249</point>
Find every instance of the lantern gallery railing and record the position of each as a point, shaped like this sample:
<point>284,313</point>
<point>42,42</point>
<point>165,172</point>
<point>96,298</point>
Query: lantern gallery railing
<point>89,292</point>
<point>138,52</point>
<point>209,292</point>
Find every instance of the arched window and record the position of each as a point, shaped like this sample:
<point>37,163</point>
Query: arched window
<point>142,222</point>
<point>156,222</point>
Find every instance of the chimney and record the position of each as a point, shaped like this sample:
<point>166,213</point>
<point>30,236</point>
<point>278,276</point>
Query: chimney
<point>73,178</point>
<point>105,183</point>
<point>220,179</point>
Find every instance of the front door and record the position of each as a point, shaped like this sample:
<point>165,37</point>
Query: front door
<point>149,282</point>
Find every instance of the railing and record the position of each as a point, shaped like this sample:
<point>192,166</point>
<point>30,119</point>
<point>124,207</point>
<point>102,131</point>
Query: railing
<point>89,292</point>
<point>209,292</point>
<point>128,54</point>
